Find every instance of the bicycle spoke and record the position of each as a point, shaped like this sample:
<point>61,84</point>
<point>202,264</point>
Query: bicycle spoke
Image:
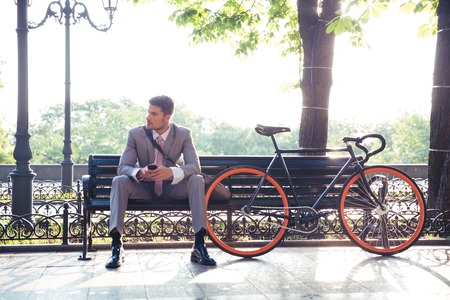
<point>384,232</point>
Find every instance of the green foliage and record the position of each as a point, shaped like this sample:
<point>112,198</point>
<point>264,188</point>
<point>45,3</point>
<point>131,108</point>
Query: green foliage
<point>418,6</point>
<point>429,28</point>
<point>6,147</point>
<point>98,126</point>
<point>355,14</point>
<point>359,12</point>
<point>243,24</point>
<point>219,138</point>
<point>227,139</point>
<point>411,139</point>
<point>407,138</point>
<point>423,6</point>
<point>341,24</point>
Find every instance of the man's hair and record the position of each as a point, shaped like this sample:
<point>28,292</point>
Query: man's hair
<point>165,102</point>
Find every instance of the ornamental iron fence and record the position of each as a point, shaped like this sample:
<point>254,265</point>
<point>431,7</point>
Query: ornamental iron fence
<point>57,218</point>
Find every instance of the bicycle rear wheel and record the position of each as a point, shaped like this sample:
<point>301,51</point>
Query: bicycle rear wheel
<point>385,229</point>
<point>252,232</point>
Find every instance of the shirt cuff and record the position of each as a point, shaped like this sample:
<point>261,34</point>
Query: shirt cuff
<point>178,174</point>
<point>135,171</point>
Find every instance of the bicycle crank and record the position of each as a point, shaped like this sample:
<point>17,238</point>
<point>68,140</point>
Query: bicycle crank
<point>306,219</point>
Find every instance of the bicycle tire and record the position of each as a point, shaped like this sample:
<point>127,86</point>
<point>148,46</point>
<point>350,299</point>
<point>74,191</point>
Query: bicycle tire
<point>382,230</point>
<point>247,234</point>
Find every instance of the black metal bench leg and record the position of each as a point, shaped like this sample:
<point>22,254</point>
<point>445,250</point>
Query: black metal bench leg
<point>86,234</point>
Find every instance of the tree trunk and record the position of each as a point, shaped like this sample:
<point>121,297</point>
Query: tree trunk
<point>439,157</point>
<point>316,81</point>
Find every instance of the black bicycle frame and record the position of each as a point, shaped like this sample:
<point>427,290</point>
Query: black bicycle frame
<point>353,159</point>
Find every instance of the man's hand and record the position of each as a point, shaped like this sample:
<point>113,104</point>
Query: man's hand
<point>160,173</point>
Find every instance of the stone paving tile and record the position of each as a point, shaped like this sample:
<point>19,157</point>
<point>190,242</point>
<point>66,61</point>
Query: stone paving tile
<point>285,273</point>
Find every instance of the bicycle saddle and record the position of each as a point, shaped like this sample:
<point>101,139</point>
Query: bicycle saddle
<point>270,130</point>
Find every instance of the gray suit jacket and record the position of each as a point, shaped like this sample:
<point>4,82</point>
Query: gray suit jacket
<point>138,153</point>
<point>178,146</point>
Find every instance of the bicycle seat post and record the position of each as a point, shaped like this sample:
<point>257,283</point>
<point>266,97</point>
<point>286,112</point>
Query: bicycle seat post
<point>275,144</point>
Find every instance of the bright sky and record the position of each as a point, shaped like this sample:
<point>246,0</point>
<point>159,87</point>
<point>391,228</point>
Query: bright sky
<point>144,54</point>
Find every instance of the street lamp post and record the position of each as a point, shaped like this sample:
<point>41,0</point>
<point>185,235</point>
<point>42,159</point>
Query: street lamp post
<point>22,176</point>
<point>72,12</point>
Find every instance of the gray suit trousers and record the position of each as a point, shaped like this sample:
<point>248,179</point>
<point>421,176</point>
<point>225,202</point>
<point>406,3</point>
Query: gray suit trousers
<point>124,188</point>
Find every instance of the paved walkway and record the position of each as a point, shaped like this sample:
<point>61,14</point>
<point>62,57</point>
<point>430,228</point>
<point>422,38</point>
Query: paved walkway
<point>422,272</point>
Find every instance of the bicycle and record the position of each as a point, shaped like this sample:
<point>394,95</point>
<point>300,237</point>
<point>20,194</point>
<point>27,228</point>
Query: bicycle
<point>381,209</point>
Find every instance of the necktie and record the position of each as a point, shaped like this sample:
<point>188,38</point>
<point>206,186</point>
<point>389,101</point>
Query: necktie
<point>159,157</point>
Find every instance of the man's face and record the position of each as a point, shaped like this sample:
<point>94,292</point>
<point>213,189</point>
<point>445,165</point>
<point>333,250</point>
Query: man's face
<point>156,119</point>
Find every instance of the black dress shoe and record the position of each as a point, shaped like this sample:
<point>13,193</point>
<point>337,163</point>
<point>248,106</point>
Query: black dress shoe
<point>200,255</point>
<point>116,258</point>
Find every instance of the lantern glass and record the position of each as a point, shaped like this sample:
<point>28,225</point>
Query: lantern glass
<point>110,5</point>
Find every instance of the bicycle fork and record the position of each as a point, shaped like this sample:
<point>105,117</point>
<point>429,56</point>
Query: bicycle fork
<point>379,199</point>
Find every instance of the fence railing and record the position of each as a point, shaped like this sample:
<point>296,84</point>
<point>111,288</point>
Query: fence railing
<point>57,218</point>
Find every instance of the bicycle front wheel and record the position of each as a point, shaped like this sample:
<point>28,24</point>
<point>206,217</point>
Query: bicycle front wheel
<point>239,228</point>
<point>383,214</point>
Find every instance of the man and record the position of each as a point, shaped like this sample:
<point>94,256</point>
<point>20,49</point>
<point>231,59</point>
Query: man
<point>177,170</point>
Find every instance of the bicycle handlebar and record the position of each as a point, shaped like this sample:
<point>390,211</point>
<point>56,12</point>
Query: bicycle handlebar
<point>359,140</point>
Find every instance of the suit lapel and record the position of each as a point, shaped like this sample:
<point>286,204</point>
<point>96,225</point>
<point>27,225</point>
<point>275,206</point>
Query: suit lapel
<point>168,144</point>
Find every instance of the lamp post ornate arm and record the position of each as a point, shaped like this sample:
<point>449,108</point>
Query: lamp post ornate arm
<point>78,11</point>
<point>85,14</point>
<point>52,12</point>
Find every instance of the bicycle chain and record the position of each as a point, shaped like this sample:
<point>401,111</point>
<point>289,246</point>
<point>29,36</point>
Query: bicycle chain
<point>289,207</point>
<point>275,207</point>
<point>291,229</point>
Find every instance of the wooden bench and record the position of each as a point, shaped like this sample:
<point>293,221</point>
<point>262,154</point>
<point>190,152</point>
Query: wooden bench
<point>311,174</point>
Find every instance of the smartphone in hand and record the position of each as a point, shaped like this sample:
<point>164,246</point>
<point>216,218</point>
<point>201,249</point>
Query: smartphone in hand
<point>152,167</point>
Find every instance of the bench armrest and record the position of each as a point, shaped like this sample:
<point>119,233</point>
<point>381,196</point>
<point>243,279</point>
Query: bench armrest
<point>86,180</point>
